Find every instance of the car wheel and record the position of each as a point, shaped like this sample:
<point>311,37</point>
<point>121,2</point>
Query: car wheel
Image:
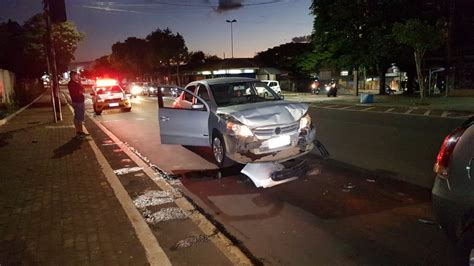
<point>127,109</point>
<point>219,151</point>
<point>97,112</point>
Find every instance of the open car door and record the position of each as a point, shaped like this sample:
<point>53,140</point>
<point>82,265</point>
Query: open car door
<point>184,119</point>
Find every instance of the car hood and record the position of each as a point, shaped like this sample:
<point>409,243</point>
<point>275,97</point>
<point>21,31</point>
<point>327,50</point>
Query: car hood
<point>262,114</point>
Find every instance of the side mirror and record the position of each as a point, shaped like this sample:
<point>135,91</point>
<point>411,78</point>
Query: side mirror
<point>197,106</point>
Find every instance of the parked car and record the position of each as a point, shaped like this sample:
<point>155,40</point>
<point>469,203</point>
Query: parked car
<point>453,189</point>
<point>135,88</point>
<point>107,94</point>
<point>229,115</point>
<point>274,85</point>
<point>166,90</point>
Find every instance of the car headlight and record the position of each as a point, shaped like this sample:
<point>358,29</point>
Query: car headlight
<point>239,129</point>
<point>136,90</point>
<point>305,121</point>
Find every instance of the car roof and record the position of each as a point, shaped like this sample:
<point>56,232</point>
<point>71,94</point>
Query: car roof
<point>215,81</point>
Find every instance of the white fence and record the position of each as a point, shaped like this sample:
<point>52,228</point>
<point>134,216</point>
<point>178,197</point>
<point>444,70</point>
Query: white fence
<point>7,83</point>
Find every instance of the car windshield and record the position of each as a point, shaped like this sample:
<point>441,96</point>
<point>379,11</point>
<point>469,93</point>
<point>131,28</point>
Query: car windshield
<point>242,92</point>
<point>111,89</point>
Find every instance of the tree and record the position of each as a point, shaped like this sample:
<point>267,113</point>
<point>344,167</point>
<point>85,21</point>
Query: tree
<point>131,56</point>
<point>166,48</point>
<point>286,56</point>
<point>421,37</point>
<point>11,46</point>
<point>353,34</point>
<point>65,40</point>
<point>103,67</point>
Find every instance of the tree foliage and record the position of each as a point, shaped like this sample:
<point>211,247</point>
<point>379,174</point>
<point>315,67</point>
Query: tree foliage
<point>166,48</point>
<point>24,51</point>
<point>352,34</point>
<point>285,56</point>
<point>421,37</point>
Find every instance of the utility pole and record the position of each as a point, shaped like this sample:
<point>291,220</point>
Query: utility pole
<point>231,36</point>
<point>51,55</point>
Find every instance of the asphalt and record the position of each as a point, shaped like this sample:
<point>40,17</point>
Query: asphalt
<point>59,201</point>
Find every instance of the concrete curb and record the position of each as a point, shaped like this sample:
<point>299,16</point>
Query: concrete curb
<point>8,118</point>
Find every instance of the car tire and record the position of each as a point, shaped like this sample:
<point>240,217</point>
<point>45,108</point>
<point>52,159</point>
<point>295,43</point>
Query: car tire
<point>219,151</point>
<point>127,109</point>
<point>97,112</point>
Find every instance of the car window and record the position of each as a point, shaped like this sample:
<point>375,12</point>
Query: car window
<point>272,84</point>
<point>185,100</point>
<point>242,93</point>
<point>110,89</point>
<point>203,93</point>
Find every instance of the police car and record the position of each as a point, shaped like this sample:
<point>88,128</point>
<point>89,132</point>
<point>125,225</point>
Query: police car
<point>107,94</point>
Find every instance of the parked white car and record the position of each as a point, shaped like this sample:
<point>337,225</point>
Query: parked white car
<point>274,85</point>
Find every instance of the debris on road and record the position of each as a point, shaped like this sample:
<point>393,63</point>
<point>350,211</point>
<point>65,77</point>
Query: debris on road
<point>349,186</point>
<point>185,243</point>
<point>370,180</point>
<point>123,171</point>
<point>428,222</point>
<point>261,173</point>
<point>315,171</point>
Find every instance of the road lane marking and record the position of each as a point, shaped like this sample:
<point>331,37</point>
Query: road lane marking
<point>409,111</point>
<point>389,110</point>
<point>368,108</point>
<point>153,250</point>
<point>346,107</point>
<point>427,113</point>
<point>445,114</point>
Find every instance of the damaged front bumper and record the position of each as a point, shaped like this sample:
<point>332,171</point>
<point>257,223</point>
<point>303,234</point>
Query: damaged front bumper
<point>252,150</point>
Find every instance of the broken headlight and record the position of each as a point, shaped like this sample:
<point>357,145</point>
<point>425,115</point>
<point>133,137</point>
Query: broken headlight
<point>305,121</point>
<point>239,129</point>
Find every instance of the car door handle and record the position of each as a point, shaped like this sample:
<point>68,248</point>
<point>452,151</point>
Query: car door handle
<point>164,118</point>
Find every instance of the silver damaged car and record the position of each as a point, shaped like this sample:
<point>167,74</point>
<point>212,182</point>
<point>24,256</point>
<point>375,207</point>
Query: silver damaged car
<point>241,119</point>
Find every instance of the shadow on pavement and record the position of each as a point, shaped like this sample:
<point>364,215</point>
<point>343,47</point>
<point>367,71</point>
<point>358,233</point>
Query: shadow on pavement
<point>69,147</point>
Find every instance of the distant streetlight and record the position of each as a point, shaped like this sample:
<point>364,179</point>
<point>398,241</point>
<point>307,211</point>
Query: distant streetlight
<point>231,35</point>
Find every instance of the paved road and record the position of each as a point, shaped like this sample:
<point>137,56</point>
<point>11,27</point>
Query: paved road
<point>393,144</point>
<point>335,214</point>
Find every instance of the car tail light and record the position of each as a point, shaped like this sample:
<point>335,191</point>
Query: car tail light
<point>445,153</point>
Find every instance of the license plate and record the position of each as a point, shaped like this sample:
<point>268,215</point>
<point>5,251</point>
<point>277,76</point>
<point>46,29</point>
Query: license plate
<point>279,142</point>
<point>113,104</point>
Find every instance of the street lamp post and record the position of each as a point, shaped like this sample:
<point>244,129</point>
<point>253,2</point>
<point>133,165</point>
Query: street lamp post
<point>231,36</point>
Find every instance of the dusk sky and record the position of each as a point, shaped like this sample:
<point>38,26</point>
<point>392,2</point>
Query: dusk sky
<point>261,24</point>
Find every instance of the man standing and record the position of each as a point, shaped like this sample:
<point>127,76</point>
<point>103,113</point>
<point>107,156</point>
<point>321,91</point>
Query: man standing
<point>76,91</point>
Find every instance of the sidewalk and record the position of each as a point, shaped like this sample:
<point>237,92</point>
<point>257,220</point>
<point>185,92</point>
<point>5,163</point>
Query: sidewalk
<point>56,206</point>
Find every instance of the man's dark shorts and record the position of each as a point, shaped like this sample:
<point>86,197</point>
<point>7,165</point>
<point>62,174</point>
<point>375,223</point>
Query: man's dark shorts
<point>79,109</point>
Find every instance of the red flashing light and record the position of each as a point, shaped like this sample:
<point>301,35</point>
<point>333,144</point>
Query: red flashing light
<point>445,153</point>
<point>106,82</point>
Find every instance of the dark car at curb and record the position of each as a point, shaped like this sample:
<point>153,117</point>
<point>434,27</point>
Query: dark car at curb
<point>453,189</point>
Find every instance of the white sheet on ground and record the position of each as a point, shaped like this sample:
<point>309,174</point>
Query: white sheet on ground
<point>260,173</point>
